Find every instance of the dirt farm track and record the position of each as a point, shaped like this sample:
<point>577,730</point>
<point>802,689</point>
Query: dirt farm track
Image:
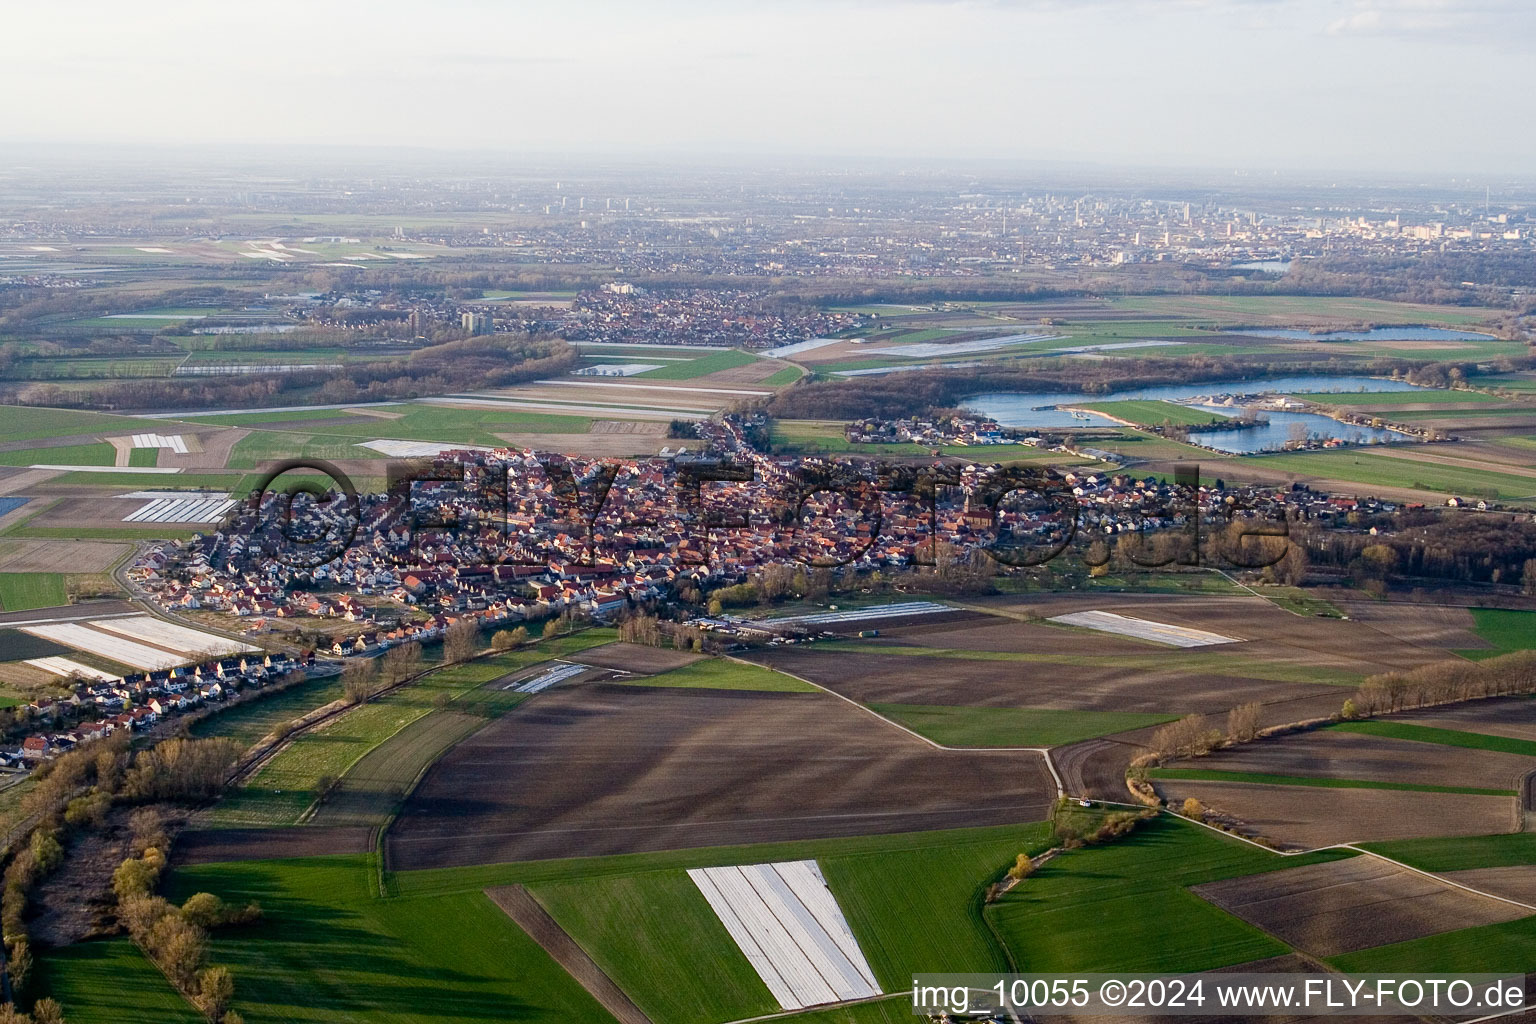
<point>593,769</point>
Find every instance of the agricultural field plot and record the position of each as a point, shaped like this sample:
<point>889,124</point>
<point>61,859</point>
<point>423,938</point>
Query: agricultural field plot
<point>213,846</point>
<point>1511,717</point>
<point>373,787</point>
<point>18,646</point>
<point>1340,907</point>
<point>1431,625</point>
<point>1088,683</point>
<point>700,367</point>
<point>1144,629</point>
<point>1271,635</point>
<point>27,423</point>
<point>1511,881</point>
<point>25,591</point>
<point>532,918</point>
<point>958,726</point>
<point>1337,754</point>
<point>252,720</point>
<point>721,674</point>
<point>59,556</point>
<point>900,610</point>
<point>329,950</point>
<point>787,923</point>
<point>411,421</point>
<point>1127,907</point>
<point>1363,472</point>
<point>654,768</point>
<point>127,652</point>
<point>647,925</point>
<point>1304,817</point>
<point>635,658</point>
<point>67,667</point>
<point>385,740</point>
<point>180,639</point>
<point>181,510</point>
<point>108,981</point>
<point>1151,413</point>
<point>1498,631</point>
<point>61,455</point>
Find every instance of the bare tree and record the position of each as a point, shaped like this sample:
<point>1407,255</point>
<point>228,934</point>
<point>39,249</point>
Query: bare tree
<point>1243,722</point>
<point>461,641</point>
<point>400,663</point>
<point>507,639</point>
<point>359,679</point>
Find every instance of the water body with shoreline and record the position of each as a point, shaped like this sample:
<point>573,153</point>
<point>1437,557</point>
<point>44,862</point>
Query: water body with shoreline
<point>1051,410</point>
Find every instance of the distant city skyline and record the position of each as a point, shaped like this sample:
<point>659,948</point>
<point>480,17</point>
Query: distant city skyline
<point>1357,86</point>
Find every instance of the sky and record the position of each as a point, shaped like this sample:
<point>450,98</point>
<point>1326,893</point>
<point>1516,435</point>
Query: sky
<point>1368,86</point>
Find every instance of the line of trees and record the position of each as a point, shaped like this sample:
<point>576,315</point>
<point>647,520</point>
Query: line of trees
<point>1444,682</point>
<point>175,939</point>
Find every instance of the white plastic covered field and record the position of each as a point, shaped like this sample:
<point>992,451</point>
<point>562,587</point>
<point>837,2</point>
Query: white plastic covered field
<point>791,930</point>
<point>175,442</point>
<point>418,449</point>
<point>168,634</point>
<point>64,667</point>
<point>141,641</point>
<point>558,674</point>
<point>126,652</point>
<point>1144,629</point>
<point>181,510</point>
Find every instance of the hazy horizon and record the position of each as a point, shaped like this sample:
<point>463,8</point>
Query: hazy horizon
<point>1383,87</point>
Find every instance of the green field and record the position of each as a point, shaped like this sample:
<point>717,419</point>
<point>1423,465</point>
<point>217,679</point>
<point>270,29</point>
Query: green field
<point>1152,413</point>
<point>108,981</point>
<point>779,378</point>
<point>657,937</point>
<point>828,436</point>
<point>1416,396</point>
<point>287,785</point>
<point>1505,629</point>
<point>101,454</point>
<point>1461,853</point>
<point>1508,948</point>
<point>1266,779</point>
<point>250,721</point>
<point>1126,907</point>
<point>373,787</point>
<point>418,422</point>
<point>21,591</point>
<point>27,423</point>
<point>711,363</point>
<point>954,726</point>
<point>329,950</point>
<point>1373,470</point>
<point>720,674</point>
<point>1445,737</point>
<point>640,922</point>
<point>884,1011</point>
<point>236,484</point>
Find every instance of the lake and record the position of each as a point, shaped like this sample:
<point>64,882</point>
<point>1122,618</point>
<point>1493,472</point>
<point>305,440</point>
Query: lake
<point>1012,409</point>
